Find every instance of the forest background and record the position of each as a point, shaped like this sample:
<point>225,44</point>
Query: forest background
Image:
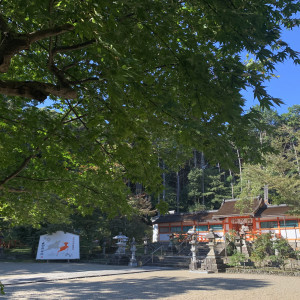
<point>196,186</point>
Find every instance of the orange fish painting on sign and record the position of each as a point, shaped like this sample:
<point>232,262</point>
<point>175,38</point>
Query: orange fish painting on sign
<point>63,248</point>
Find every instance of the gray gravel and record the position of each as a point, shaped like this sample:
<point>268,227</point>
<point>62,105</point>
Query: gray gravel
<point>91,281</point>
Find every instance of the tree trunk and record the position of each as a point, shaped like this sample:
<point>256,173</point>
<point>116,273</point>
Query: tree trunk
<point>164,182</point>
<point>240,166</point>
<point>138,188</point>
<point>231,183</point>
<point>297,160</point>
<point>202,179</point>
<point>177,191</point>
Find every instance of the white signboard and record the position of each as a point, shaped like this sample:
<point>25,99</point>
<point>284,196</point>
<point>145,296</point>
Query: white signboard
<point>59,245</point>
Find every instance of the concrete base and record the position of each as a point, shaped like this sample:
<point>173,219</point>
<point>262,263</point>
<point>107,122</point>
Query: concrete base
<point>213,265</point>
<point>133,263</point>
<point>193,266</point>
<point>202,272</point>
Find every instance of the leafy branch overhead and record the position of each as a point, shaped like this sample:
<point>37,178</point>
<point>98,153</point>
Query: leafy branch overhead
<point>93,91</point>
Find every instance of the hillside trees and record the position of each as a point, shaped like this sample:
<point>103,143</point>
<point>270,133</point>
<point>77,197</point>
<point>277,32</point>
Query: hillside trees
<point>280,170</point>
<point>210,190</point>
<point>89,88</point>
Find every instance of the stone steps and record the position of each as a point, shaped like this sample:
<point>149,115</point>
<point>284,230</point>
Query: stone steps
<point>180,262</point>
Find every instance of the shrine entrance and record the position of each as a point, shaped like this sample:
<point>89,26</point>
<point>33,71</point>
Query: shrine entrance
<point>236,227</point>
<point>242,225</point>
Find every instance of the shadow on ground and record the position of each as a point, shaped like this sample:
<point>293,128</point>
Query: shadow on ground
<point>17,268</point>
<point>152,287</point>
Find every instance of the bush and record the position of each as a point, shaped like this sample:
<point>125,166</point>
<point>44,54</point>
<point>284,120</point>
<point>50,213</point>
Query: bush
<point>230,246</point>
<point>284,251</point>
<point>262,248</point>
<point>275,251</point>
<point>1,288</point>
<point>236,259</point>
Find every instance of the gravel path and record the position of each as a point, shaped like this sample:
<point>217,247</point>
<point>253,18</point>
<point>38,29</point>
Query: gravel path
<point>120,283</point>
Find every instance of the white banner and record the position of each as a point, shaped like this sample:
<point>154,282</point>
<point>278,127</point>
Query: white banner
<point>58,245</point>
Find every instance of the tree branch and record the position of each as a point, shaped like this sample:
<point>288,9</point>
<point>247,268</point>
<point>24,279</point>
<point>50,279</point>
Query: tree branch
<point>42,180</point>
<point>66,68</point>
<point>73,47</point>
<point>3,24</point>
<point>17,171</point>
<point>74,119</point>
<point>35,90</point>
<point>86,80</point>
<point>13,190</point>
<point>12,42</point>
<point>49,32</point>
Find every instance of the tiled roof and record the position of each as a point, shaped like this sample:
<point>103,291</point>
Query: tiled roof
<point>229,209</point>
<point>201,216</point>
<point>257,208</point>
<point>273,210</point>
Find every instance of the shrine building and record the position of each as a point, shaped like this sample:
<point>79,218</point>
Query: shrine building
<point>259,217</point>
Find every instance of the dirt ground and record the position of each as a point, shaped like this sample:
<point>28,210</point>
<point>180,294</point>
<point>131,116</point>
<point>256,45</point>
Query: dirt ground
<point>162,284</point>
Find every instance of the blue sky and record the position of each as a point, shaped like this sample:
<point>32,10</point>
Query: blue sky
<point>287,86</point>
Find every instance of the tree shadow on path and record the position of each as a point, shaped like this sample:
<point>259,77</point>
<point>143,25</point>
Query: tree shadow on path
<point>130,288</point>
<point>19,268</point>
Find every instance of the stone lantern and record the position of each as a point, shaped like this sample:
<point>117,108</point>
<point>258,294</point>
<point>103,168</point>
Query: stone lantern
<point>211,237</point>
<point>146,242</point>
<point>103,247</point>
<point>212,263</point>
<point>194,263</point>
<point>133,262</point>
<point>194,247</point>
<point>171,242</point>
<point>273,240</point>
<point>238,243</point>
<point>122,240</point>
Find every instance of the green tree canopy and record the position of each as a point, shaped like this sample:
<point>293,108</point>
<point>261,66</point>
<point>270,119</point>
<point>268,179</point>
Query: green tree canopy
<point>280,171</point>
<point>88,88</point>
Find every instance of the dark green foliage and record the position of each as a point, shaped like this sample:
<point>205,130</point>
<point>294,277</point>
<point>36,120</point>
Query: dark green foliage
<point>280,170</point>
<point>230,240</point>
<point>262,248</point>
<point>268,249</point>
<point>283,250</point>
<point>2,289</point>
<point>215,187</point>
<point>236,259</point>
<point>94,230</point>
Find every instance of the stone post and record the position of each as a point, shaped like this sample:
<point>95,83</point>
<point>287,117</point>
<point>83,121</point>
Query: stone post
<point>238,244</point>
<point>244,245</point>
<point>171,243</point>
<point>133,262</point>
<point>274,239</point>
<point>103,247</point>
<point>146,241</point>
<point>193,265</point>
